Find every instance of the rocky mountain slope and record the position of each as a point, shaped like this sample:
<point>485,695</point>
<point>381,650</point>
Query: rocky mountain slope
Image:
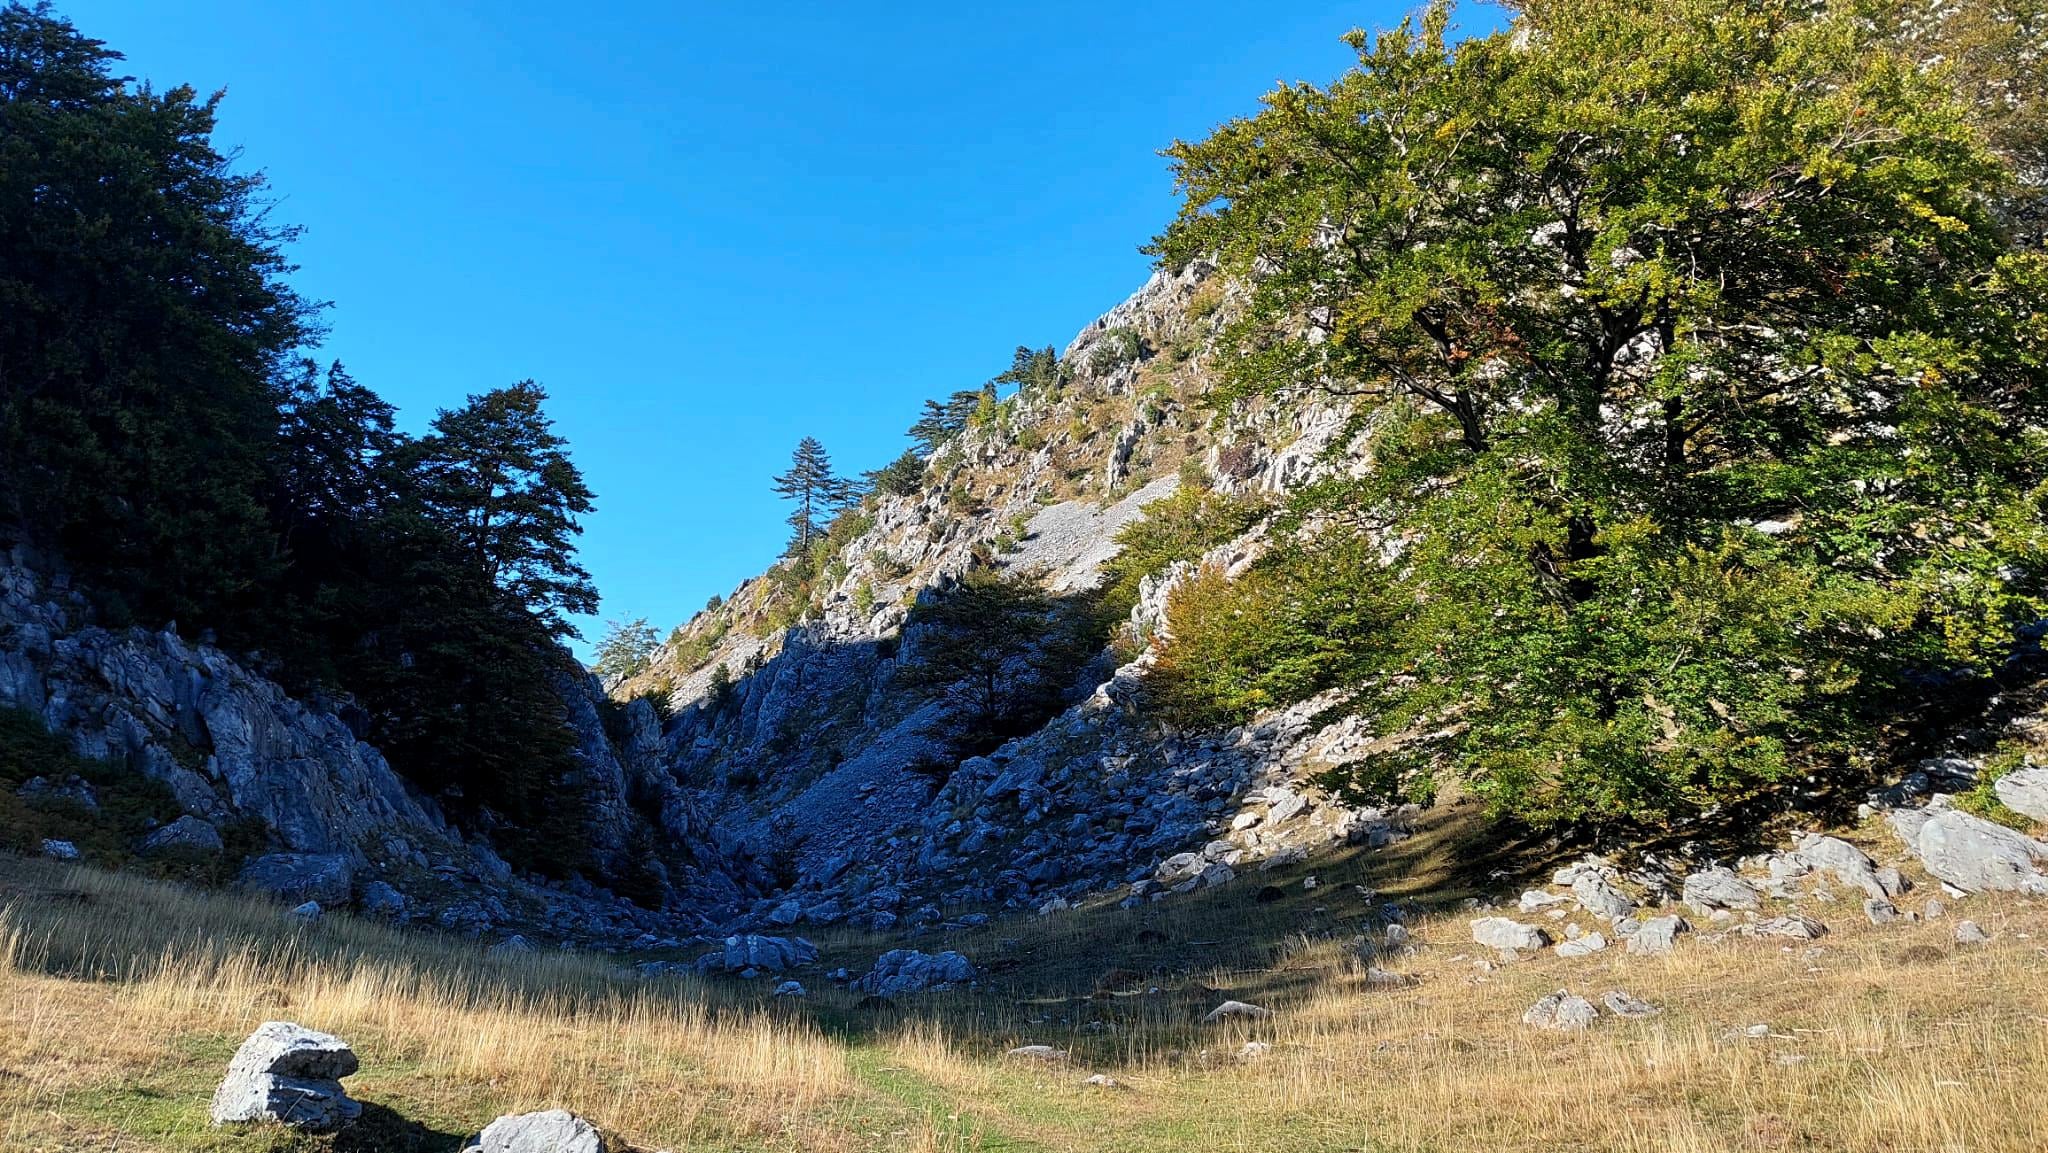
<point>828,786</point>
<point>773,767</point>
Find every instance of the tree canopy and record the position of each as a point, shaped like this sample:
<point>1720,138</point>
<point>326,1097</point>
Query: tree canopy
<point>1700,378</point>
<point>164,432</point>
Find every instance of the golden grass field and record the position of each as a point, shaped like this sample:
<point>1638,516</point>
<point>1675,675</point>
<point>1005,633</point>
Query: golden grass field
<point>123,999</point>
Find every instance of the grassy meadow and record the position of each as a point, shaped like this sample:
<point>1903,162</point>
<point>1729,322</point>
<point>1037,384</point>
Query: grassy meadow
<point>124,997</point>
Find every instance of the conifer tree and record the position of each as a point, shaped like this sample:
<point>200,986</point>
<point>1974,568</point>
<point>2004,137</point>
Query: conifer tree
<point>817,491</point>
<point>494,475</point>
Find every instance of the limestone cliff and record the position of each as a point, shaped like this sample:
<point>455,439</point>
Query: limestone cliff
<point>830,790</point>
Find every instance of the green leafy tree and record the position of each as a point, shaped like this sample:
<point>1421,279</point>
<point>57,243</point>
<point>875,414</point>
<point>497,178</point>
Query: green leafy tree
<point>626,649</point>
<point>1701,381</point>
<point>494,476</point>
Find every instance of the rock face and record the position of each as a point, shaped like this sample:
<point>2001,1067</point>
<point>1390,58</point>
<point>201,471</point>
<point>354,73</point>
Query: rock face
<point>809,766</point>
<point>230,745</point>
<point>901,971</point>
<point>149,698</point>
<point>552,1131</point>
<point>290,1074</point>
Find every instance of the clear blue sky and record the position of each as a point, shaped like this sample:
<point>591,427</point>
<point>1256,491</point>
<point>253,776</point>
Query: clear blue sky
<point>712,228</point>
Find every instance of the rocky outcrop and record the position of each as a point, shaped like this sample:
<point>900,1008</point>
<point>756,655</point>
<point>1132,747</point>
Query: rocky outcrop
<point>901,971</point>
<point>225,741</point>
<point>342,826</point>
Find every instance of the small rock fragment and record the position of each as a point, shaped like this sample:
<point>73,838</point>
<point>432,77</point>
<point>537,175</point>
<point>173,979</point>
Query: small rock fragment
<point>1622,1004</point>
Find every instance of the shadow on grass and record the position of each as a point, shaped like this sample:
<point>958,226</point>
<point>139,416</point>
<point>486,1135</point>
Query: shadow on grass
<point>381,1130</point>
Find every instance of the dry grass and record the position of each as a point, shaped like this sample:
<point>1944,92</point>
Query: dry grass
<point>123,1000</point>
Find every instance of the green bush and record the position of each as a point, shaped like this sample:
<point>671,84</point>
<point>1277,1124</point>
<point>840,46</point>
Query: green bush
<point>1983,799</point>
<point>1181,527</point>
<point>1114,349</point>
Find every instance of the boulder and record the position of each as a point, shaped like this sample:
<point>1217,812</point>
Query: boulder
<point>1975,855</point>
<point>59,850</point>
<point>901,971</point>
<point>328,878</point>
<point>72,790</point>
<point>1718,888</point>
<point>1043,1054</point>
<point>552,1131</point>
<point>1561,1010</point>
<point>1967,933</point>
<point>1598,896</point>
<point>1537,900</point>
<point>290,1074</point>
<point>752,951</point>
<point>1582,946</point>
<point>1502,933</point>
<point>381,900</point>
<point>1797,926</point>
<point>1658,935</point>
<point>1847,862</point>
<point>2025,791</point>
<point>791,989</point>
<point>187,835</point>
<point>310,911</point>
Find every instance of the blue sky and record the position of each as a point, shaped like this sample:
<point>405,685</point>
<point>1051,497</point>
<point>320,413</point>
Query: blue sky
<point>713,228</point>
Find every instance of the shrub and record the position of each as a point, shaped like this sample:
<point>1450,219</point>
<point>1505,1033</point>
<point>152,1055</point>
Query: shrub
<point>1114,349</point>
<point>1181,527</point>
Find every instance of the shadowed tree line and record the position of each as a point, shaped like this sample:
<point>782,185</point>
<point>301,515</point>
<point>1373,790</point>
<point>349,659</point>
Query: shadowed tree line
<point>164,433</point>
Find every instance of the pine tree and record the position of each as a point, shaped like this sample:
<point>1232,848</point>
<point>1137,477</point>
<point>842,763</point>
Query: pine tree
<point>494,475</point>
<point>818,494</point>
